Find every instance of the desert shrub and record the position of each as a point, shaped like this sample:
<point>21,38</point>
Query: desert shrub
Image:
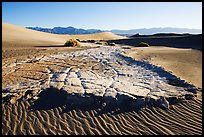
<point>143,44</point>
<point>72,43</point>
<point>99,43</point>
<point>78,40</point>
<point>91,41</point>
<point>105,43</point>
<point>111,44</point>
<point>83,41</point>
<point>126,47</point>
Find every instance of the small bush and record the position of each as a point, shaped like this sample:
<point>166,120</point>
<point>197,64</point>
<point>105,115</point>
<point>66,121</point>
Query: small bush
<point>83,41</point>
<point>78,40</point>
<point>99,43</point>
<point>91,41</point>
<point>126,47</point>
<point>72,43</point>
<point>143,44</point>
<point>111,44</point>
<point>105,43</point>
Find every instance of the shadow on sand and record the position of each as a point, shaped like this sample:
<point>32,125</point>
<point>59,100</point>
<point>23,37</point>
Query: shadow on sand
<point>52,98</point>
<point>192,41</point>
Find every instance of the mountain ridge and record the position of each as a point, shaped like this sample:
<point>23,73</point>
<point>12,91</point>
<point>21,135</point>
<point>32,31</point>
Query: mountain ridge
<point>66,30</point>
<point>149,31</point>
<point>144,31</point>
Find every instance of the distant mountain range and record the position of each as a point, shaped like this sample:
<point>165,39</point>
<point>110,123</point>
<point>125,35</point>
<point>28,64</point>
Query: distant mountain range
<point>65,30</point>
<point>144,31</point>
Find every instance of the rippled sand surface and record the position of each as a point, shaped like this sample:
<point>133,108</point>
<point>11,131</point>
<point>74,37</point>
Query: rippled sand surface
<point>182,119</point>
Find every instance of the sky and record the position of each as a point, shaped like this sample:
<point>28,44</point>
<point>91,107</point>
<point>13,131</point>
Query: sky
<point>104,15</point>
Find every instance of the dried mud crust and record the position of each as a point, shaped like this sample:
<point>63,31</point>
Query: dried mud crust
<point>101,72</point>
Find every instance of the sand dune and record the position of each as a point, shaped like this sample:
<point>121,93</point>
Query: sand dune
<point>99,36</point>
<point>16,34</point>
<point>19,36</point>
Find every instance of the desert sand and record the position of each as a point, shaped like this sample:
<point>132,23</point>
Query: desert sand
<point>185,63</point>
<point>47,111</point>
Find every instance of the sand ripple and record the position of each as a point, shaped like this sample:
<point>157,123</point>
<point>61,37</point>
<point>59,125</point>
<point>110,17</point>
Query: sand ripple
<point>180,119</point>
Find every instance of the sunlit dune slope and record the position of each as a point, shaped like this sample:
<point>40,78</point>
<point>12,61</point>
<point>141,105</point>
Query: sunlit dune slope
<point>21,36</point>
<point>99,36</point>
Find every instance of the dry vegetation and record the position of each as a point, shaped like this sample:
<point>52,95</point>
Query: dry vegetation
<point>99,43</point>
<point>111,44</point>
<point>143,44</point>
<point>72,43</point>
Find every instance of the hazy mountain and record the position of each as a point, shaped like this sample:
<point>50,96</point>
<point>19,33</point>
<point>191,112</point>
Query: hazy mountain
<point>65,30</point>
<point>150,31</point>
<point>162,35</point>
<point>144,31</point>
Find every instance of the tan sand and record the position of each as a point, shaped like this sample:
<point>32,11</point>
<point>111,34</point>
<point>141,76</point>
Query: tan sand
<point>185,63</point>
<point>180,119</point>
<point>98,36</point>
<point>184,118</point>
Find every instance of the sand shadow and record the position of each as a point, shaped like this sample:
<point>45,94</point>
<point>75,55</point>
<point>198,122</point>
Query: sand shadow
<point>52,98</point>
<point>192,41</point>
<point>49,98</point>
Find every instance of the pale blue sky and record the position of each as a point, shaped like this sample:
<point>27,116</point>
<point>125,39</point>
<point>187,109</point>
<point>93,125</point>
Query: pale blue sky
<point>104,15</point>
